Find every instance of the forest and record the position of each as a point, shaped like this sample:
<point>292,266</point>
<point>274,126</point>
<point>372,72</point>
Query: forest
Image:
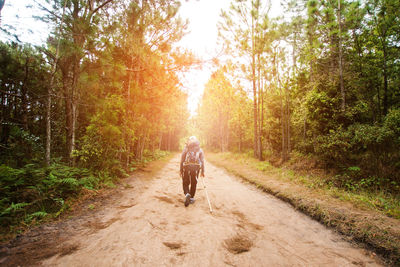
<point>103,95</point>
<point>323,84</point>
<point>100,97</point>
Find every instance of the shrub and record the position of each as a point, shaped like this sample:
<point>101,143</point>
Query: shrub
<point>374,149</point>
<point>33,192</point>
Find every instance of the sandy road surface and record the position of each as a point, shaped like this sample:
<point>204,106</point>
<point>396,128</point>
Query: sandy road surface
<point>151,227</point>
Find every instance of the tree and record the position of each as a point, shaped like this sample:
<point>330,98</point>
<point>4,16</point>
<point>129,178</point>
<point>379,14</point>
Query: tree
<point>216,111</point>
<point>384,19</point>
<point>50,92</point>
<point>241,31</point>
<point>78,30</point>
<point>22,87</point>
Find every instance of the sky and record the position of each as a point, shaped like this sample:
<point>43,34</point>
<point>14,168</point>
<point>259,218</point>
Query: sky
<point>203,16</point>
<point>16,14</point>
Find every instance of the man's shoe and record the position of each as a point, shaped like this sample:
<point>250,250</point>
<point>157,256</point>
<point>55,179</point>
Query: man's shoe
<point>192,200</point>
<point>187,199</point>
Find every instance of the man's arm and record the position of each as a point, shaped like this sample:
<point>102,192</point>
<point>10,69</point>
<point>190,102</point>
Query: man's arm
<point>183,156</point>
<point>201,156</point>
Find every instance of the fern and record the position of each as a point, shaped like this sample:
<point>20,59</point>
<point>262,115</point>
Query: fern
<point>69,181</point>
<point>18,206</point>
<point>89,182</point>
<point>33,192</point>
<point>14,208</point>
<point>38,214</point>
<point>11,176</point>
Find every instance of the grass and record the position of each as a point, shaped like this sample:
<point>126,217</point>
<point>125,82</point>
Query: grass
<point>369,217</point>
<point>238,244</point>
<point>384,202</point>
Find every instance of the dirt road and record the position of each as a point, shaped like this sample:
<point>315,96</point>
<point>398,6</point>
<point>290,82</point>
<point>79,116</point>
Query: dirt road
<point>149,226</point>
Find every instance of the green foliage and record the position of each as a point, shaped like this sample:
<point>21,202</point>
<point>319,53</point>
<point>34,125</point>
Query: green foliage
<point>36,215</point>
<point>33,192</point>
<point>13,208</point>
<point>23,78</point>
<point>264,166</point>
<point>373,148</point>
<point>321,110</point>
<point>155,155</point>
<point>223,119</point>
<point>105,139</point>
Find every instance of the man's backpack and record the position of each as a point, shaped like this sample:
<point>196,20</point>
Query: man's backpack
<point>193,156</point>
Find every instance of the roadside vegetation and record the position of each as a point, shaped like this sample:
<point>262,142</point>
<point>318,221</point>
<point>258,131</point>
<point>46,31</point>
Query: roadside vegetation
<point>34,193</point>
<point>366,214</point>
<point>320,82</point>
<point>369,193</point>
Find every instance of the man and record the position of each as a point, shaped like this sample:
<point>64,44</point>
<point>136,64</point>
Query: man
<point>192,162</point>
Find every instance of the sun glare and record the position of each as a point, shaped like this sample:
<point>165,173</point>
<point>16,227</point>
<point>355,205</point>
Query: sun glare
<point>203,17</point>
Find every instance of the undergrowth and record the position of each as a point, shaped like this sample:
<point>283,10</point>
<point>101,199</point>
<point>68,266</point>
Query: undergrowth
<point>314,191</point>
<point>33,193</point>
<point>370,192</point>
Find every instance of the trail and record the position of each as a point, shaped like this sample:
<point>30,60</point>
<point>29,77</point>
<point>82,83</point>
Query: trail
<point>148,225</point>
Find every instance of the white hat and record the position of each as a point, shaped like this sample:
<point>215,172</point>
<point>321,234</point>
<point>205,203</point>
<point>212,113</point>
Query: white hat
<point>193,139</point>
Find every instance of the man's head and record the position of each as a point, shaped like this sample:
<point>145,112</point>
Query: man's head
<point>192,141</point>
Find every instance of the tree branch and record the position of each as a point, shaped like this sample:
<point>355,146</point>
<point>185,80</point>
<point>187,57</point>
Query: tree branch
<point>47,10</point>
<point>99,7</point>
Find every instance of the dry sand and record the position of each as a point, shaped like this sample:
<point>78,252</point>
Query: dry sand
<point>150,226</point>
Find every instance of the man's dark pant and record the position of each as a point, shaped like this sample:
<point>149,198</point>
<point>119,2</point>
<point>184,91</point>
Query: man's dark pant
<point>189,177</point>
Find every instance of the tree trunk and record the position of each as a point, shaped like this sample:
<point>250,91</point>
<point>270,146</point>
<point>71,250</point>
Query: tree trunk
<point>49,93</point>
<point>4,128</point>
<point>169,140</point>
<point>221,135</point>
<point>227,137</point>
<point>68,117</point>
<point>385,80</point>
<point>261,117</point>
<point>288,120</point>
<point>282,120</point>
<point>73,130</point>
<point>160,143</point>
<point>294,53</point>
<point>48,122</point>
<point>253,69</point>
<point>73,97</point>
<point>342,90</point>
<point>128,114</point>
<point>240,142</point>
<point>140,148</point>
<point>24,100</point>
<point>283,131</point>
